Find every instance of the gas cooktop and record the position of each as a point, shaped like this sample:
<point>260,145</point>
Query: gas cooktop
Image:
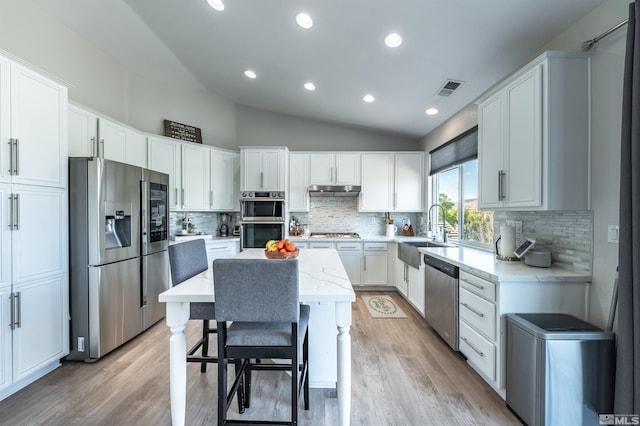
<point>334,235</point>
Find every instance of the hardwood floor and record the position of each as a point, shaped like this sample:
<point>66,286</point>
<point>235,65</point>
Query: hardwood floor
<point>403,374</point>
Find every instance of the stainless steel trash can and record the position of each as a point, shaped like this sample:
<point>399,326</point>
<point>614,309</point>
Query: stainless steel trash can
<point>560,369</point>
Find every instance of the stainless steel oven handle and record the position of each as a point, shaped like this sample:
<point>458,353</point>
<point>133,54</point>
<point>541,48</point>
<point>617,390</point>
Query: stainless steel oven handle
<point>480,314</point>
<point>479,352</point>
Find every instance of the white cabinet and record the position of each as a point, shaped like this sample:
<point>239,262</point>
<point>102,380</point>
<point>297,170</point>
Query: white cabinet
<point>334,168</point>
<point>225,180</point>
<point>91,135</point>
<point>165,156</point>
<point>34,311</point>
<point>483,303</point>
<point>196,169</point>
<point>351,257</point>
<point>400,274</point>
<point>120,143</point>
<point>33,127</point>
<point>392,182</point>
<point>375,268</point>
<point>263,169</point>
<point>415,288</point>
<point>221,249</point>
<point>298,193</point>
<point>83,132</point>
<point>533,137</point>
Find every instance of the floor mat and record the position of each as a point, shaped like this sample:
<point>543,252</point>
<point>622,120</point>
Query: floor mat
<point>381,306</point>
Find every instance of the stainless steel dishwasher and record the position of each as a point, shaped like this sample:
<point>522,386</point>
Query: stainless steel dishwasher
<point>441,299</point>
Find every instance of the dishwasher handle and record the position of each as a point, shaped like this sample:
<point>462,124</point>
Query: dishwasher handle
<point>444,267</point>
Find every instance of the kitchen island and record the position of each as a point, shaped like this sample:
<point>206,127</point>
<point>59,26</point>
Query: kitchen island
<point>324,286</point>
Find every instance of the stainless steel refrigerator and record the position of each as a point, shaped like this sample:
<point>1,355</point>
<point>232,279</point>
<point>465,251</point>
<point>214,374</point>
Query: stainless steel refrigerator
<point>119,263</point>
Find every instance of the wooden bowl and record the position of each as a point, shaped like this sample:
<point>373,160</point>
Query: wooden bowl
<point>278,255</point>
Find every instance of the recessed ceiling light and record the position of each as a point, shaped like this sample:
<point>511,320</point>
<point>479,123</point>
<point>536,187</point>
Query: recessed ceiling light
<point>368,98</point>
<point>216,4</point>
<point>431,111</point>
<point>250,74</point>
<point>304,20</point>
<point>393,40</point>
<point>310,86</point>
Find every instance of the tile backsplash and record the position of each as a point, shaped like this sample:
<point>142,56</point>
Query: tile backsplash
<point>568,235</point>
<point>202,221</point>
<point>340,214</point>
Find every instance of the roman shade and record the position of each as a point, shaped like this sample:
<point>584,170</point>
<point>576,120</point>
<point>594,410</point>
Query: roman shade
<point>458,150</point>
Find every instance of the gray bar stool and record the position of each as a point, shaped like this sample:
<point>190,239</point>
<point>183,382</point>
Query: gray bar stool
<point>261,298</point>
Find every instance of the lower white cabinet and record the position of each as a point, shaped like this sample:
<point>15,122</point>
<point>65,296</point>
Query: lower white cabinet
<point>483,303</point>
<point>221,249</point>
<point>400,274</point>
<point>34,310</point>
<point>415,287</point>
<point>351,257</point>
<point>375,268</point>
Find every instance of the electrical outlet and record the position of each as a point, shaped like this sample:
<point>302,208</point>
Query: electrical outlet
<point>80,344</point>
<point>517,224</point>
<point>613,234</point>
<point>373,220</point>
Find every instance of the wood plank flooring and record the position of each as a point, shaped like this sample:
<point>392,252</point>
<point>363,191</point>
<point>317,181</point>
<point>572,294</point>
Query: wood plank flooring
<point>403,374</point>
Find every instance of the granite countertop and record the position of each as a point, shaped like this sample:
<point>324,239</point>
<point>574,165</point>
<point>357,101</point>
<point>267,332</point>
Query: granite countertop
<point>484,264</point>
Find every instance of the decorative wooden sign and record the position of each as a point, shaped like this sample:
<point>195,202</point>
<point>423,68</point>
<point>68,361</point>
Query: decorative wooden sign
<point>183,132</point>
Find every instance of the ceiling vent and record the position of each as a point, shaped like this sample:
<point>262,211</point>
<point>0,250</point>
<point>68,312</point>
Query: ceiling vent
<point>448,88</point>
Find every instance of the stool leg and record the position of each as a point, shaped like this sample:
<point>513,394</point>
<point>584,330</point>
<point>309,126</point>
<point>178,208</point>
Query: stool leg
<point>247,385</point>
<point>237,363</point>
<point>205,344</point>
<point>305,367</point>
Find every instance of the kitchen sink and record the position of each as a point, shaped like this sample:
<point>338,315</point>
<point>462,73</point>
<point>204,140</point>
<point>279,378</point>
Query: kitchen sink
<point>409,254</point>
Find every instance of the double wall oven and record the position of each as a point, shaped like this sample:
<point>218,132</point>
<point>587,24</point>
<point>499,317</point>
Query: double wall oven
<point>262,218</point>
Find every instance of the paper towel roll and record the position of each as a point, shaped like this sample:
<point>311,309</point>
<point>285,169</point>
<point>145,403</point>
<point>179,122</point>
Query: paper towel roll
<point>507,240</point>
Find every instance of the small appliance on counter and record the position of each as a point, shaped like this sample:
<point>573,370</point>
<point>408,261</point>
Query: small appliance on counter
<point>506,243</point>
<point>538,257</point>
<point>407,229</point>
<point>236,226</point>
<point>224,225</point>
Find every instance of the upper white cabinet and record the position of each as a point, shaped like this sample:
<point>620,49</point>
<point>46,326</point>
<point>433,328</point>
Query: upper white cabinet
<point>392,182</point>
<point>334,168</point>
<point>165,156</point>
<point>83,132</point>
<point>91,135</point>
<point>225,180</point>
<point>533,137</point>
<point>298,193</point>
<point>196,169</point>
<point>263,169</point>
<point>33,127</point>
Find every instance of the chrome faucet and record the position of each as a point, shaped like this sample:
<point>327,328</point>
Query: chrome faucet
<point>444,228</point>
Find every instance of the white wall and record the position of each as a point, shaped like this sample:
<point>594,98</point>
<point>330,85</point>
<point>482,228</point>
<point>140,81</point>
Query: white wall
<point>607,70</point>
<point>263,128</point>
<point>607,64</point>
<point>103,84</point>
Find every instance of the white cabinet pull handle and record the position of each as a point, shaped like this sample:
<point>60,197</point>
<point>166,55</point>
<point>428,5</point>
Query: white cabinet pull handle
<point>19,310</point>
<point>261,179</point>
<point>101,143</point>
<point>176,196</point>
<point>12,313</point>
<point>501,175</point>
<point>481,287</point>
<point>480,314</point>
<point>16,226</point>
<point>479,352</point>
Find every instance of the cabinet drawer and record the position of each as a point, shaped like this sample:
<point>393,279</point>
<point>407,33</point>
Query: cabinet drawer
<point>375,246</point>
<point>478,312</point>
<point>349,246</point>
<point>478,285</point>
<point>478,350</point>
<point>322,245</point>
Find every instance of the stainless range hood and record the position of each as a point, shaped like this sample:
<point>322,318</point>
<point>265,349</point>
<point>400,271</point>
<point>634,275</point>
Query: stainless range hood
<point>334,190</point>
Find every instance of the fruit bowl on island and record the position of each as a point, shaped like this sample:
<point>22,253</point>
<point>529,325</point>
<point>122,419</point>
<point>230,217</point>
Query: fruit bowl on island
<point>282,255</point>
<point>280,249</point>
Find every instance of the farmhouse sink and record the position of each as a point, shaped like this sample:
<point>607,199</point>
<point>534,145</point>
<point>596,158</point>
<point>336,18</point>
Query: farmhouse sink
<point>409,254</point>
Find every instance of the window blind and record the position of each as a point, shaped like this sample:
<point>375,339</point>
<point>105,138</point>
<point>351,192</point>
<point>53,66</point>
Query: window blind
<point>458,150</point>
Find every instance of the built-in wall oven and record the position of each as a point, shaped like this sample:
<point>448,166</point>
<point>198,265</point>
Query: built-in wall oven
<point>262,218</point>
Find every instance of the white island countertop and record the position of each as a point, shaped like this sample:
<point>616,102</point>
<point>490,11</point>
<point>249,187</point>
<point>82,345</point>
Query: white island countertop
<point>484,263</point>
